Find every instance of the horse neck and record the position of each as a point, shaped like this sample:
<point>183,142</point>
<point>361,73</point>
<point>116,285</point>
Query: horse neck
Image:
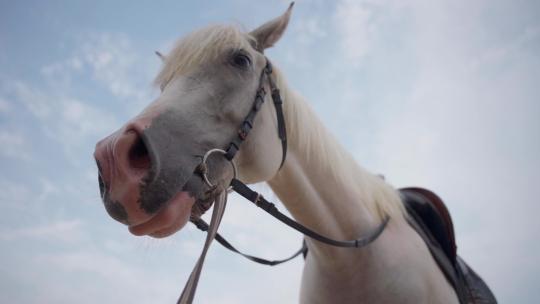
<point>322,186</point>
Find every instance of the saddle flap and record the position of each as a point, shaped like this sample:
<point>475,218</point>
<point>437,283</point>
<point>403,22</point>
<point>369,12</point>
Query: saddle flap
<point>431,211</point>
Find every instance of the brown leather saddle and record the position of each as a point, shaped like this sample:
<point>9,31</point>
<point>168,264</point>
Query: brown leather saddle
<point>430,218</point>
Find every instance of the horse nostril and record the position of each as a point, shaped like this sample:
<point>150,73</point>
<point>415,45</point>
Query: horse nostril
<point>100,180</point>
<point>101,185</point>
<point>138,155</point>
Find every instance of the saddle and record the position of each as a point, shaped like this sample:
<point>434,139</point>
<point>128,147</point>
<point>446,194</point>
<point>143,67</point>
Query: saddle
<point>430,218</point>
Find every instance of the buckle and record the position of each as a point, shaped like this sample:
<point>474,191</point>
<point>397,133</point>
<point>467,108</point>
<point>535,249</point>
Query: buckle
<point>268,67</point>
<point>261,93</point>
<point>242,133</point>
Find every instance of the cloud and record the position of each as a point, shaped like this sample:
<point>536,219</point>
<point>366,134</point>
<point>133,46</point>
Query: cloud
<point>309,29</point>
<point>354,24</point>
<point>14,194</point>
<point>465,128</point>
<point>501,53</point>
<point>35,101</point>
<point>66,120</point>
<point>14,145</point>
<point>113,63</point>
<point>64,110</point>
<point>360,26</point>
<point>4,106</point>
<point>80,119</point>
<point>64,231</point>
<point>99,277</point>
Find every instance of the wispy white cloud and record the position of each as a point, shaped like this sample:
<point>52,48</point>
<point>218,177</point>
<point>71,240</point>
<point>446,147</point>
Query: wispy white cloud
<point>14,194</point>
<point>5,106</point>
<point>464,130</point>
<point>113,280</point>
<point>113,63</point>
<point>501,53</point>
<point>80,119</point>
<point>48,189</point>
<point>362,27</point>
<point>309,29</point>
<point>38,103</point>
<point>14,145</point>
<point>354,24</point>
<point>68,121</point>
<point>110,61</point>
<point>65,231</point>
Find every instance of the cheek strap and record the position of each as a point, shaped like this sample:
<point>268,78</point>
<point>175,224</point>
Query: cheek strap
<point>247,123</point>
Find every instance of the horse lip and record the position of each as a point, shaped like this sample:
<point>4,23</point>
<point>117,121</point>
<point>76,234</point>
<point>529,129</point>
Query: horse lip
<point>164,206</point>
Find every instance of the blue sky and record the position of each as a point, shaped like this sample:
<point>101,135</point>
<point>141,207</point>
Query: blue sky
<point>441,94</point>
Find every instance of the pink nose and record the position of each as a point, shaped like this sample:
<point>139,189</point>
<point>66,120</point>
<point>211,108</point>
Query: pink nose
<point>123,162</point>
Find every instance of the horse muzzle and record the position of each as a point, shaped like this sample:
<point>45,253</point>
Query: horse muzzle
<point>123,164</point>
<point>146,174</point>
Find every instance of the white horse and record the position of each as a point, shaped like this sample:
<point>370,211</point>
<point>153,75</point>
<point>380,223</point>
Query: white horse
<point>208,83</point>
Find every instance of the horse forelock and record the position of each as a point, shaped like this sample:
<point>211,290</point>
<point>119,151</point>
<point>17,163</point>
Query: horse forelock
<point>199,47</point>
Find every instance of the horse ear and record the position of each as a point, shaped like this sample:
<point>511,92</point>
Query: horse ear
<point>269,33</point>
<point>161,56</point>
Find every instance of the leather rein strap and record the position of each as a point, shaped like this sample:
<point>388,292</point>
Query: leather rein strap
<point>203,226</point>
<point>271,209</point>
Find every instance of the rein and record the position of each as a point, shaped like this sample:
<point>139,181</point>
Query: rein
<point>256,198</point>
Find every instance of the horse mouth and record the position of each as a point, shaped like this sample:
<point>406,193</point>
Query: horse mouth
<point>176,212</point>
<point>169,219</point>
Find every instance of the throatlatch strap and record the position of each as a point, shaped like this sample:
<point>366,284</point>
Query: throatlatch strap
<point>270,208</point>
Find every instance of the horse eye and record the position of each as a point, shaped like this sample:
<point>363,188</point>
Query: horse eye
<point>241,60</point>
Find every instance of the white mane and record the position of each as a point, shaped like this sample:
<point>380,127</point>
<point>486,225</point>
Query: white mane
<point>314,140</point>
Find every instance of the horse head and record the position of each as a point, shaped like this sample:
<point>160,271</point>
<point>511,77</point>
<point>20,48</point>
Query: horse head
<point>147,168</point>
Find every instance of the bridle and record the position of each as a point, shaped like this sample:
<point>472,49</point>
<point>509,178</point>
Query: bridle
<point>247,124</point>
<point>239,187</point>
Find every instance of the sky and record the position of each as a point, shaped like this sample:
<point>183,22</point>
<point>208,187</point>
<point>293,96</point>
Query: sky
<point>438,94</point>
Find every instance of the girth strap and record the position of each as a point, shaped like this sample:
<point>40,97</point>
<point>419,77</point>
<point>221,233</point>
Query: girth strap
<point>270,208</point>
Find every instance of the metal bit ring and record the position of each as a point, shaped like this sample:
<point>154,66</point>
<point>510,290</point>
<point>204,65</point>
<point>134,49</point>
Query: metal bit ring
<point>205,157</point>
